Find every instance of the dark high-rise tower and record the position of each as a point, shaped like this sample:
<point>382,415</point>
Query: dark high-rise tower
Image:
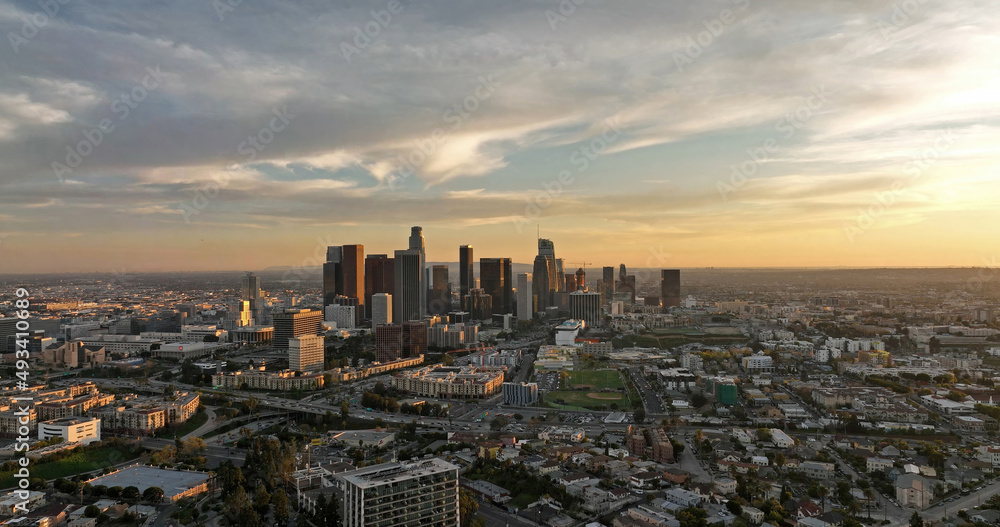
<point>544,277</point>
<point>353,269</point>
<point>344,273</point>
<point>670,287</point>
<point>581,279</point>
<point>560,271</point>
<point>379,278</point>
<point>440,297</point>
<point>496,278</point>
<point>333,276</point>
<point>466,276</point>
<point>417,244</point>
<point>626,283</point>
<point>409,301</point>
<point>608,284</point>
<point>295,323</point>
<point>569,282</point>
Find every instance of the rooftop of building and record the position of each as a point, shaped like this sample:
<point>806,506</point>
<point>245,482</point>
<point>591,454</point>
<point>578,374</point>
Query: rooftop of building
<point>173,482</point>
<point>387,473</point>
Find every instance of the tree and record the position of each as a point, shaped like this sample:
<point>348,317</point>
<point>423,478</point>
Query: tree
<point>823,492</point>
<point>229,477</point>
<point>251,404</point>
<point>640,415</point>
<point>467,507</point>
<point>499,422</point>
<point>239,510</point>
<point>131,493</point>
<point>192,447</point>
<point>344,411</point>
<point>153,494</point>
<point>279,500</point>
<point>261,500</point>
<point>92,511</point>
<point>448,360</point>
<point>734,508</point>
<point>693,517</point>
<point>916,520</point>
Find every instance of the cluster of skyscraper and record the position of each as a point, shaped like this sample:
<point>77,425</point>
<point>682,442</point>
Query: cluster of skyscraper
<point>403,290</point>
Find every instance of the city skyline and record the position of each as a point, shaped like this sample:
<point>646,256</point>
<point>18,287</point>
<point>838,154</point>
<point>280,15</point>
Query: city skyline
<point>728,134</point>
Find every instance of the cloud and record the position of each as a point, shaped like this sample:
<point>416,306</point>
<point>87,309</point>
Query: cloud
<point>894,86</point>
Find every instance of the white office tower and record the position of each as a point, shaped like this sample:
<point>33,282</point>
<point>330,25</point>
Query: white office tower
<point>525,297</point>
<point>381,309</point>
<point>305,353</point>
<point>343,316</point>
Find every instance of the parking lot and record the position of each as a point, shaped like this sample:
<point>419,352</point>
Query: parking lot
<point>548,381</point>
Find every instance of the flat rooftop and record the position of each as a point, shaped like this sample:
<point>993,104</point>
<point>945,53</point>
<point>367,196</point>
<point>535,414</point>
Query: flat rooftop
<point>377,475</point>
<point>173,482</point>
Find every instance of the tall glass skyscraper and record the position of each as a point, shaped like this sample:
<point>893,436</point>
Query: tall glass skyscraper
<point>495,278</point>
<point>544,276</point>
<point>466,275</point>
<point>410,299</point>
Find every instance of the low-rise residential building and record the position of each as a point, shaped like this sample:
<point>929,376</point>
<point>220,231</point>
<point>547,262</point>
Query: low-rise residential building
<point>913,490</point>
<point>817,470</point>
<point>878,464</point>
<point>781,439</point>
<point>652,443</point>
<point>562,433</point>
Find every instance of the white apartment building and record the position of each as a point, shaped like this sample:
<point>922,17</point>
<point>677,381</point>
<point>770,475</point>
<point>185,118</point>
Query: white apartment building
<point>305,353</point>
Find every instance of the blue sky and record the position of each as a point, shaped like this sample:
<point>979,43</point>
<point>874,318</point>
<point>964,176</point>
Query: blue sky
<point>668,134</point>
